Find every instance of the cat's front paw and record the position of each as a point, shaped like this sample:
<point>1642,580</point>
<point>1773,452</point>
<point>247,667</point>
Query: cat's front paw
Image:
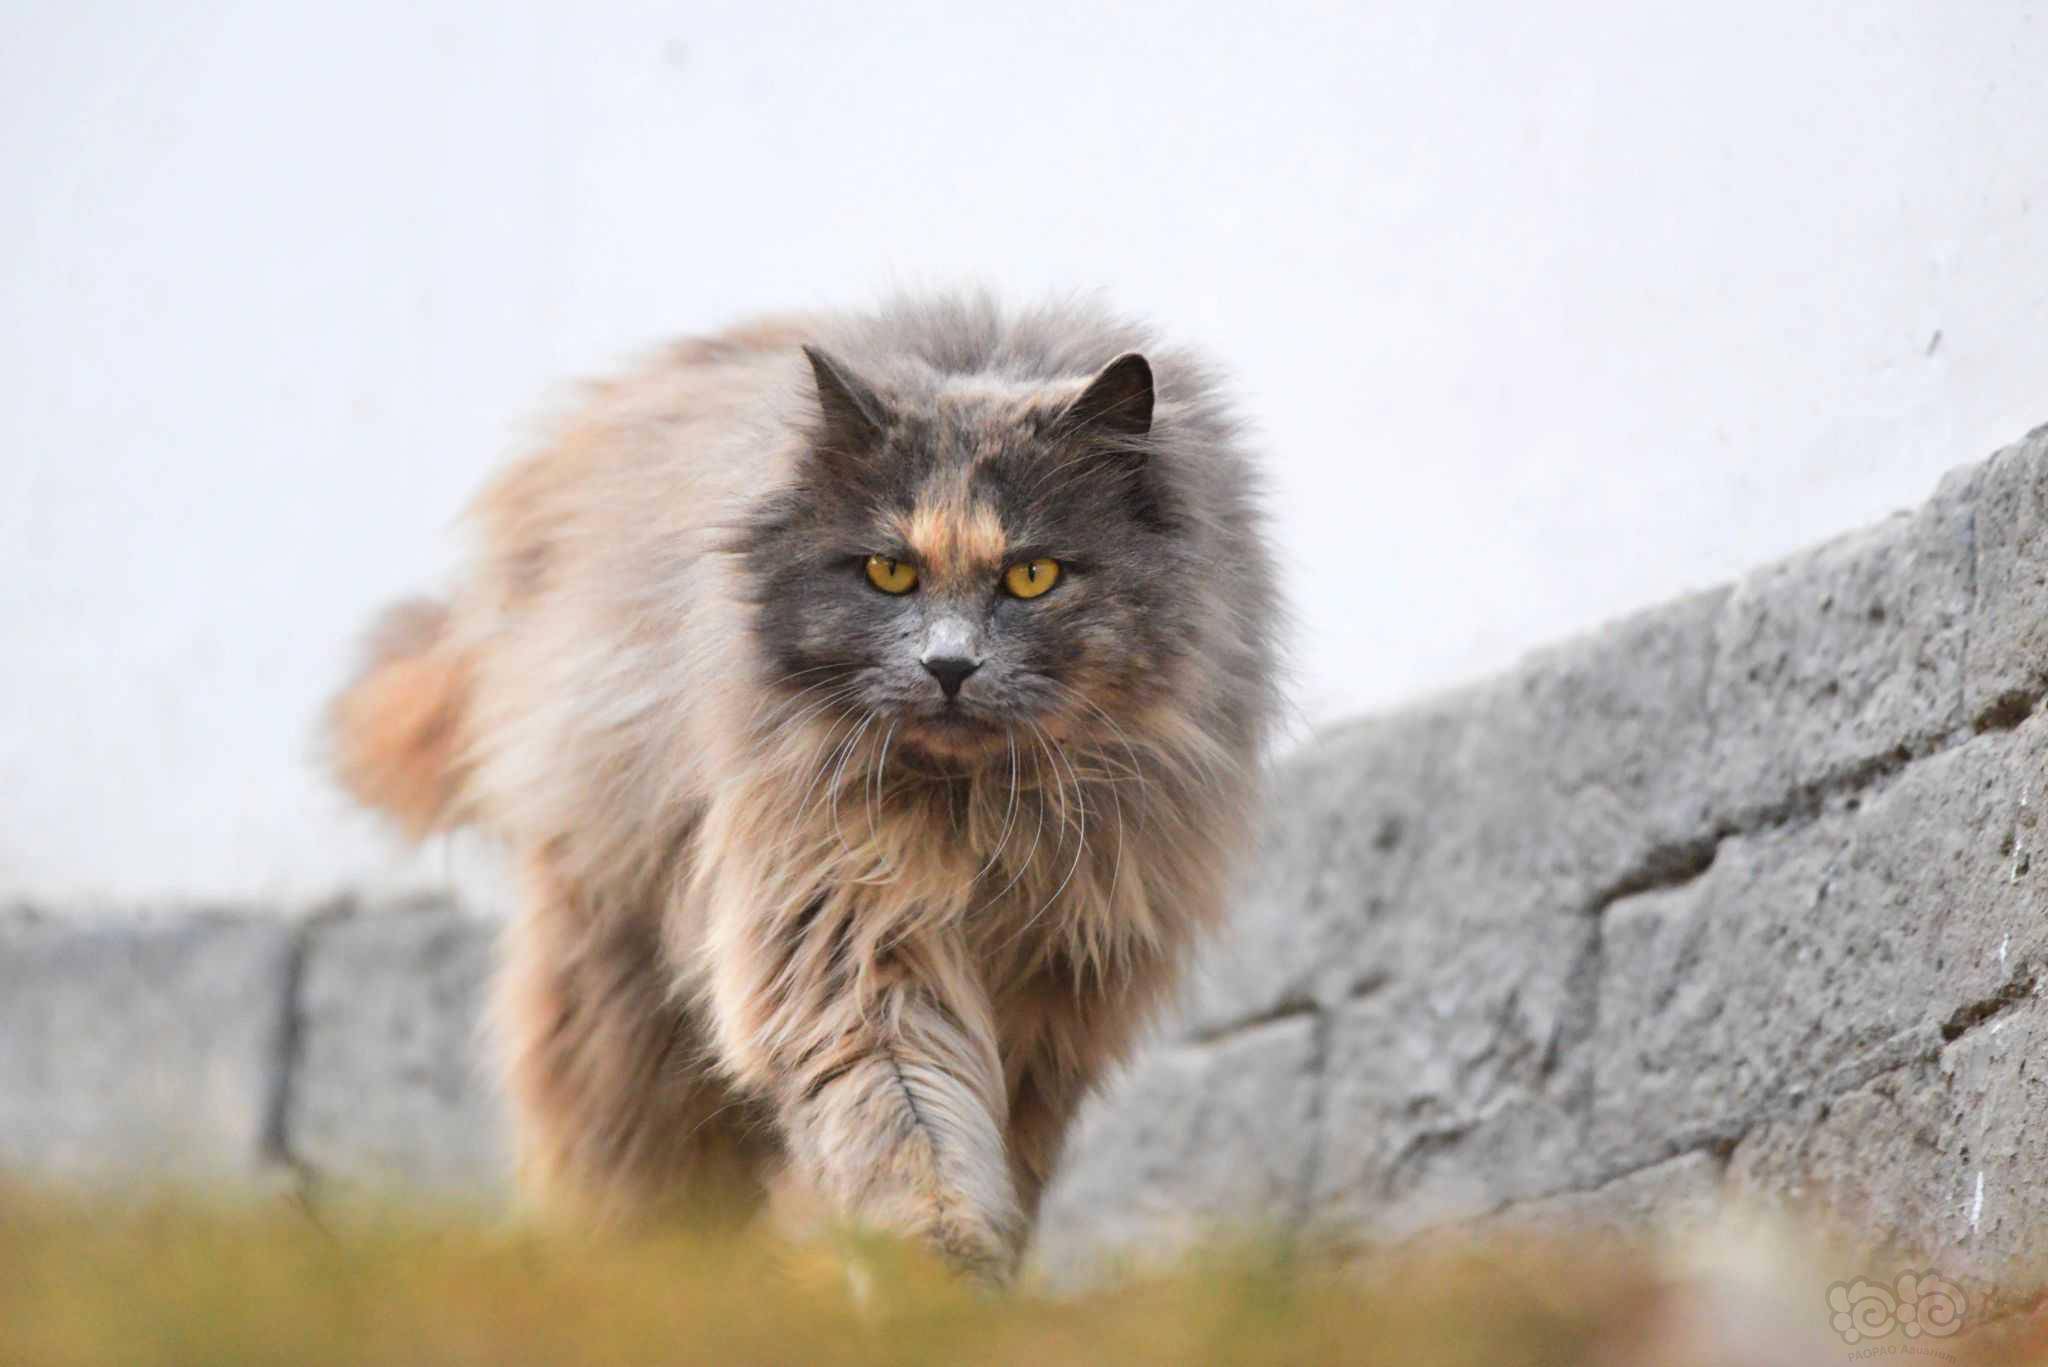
<point>979,1257</point>
<point>983,1251</point>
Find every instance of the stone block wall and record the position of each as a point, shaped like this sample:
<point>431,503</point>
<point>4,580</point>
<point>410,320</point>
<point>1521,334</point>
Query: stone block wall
<point>1734,899</point>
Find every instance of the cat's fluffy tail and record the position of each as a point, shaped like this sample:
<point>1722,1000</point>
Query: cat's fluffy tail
<point>396,734</point>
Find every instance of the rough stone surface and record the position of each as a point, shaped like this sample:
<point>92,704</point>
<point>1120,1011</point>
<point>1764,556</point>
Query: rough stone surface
<point>1335,851</point>
<point>1937,1161</point>
<point>2006,664</point>
<point>1581,772</point>
<point>1454,1087</point>
<point>141,1048</point>
<point>1812,954</point>
<point>1196,1139</point>
<point>393,1087</point>
<point>1675,1198</point>
<point>1736,899</point>
<point>1682,988</point>
<point>1846,656</point>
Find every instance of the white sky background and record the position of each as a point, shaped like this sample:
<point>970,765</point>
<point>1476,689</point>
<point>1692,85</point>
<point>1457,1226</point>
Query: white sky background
<point>1544,313</point>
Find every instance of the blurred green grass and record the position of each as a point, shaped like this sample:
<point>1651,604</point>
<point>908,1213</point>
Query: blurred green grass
<point>181,1284</point>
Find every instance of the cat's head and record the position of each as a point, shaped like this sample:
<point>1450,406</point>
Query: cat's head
<point>971,560</point>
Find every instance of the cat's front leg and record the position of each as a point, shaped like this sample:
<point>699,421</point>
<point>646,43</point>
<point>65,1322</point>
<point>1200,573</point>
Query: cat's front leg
<point>878,1055</point>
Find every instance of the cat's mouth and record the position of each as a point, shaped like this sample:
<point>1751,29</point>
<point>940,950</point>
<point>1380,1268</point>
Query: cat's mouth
<point>954,732</point>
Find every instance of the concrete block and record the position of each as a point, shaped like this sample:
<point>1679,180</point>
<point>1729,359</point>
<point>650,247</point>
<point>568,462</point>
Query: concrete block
<point>1194,1139</point>
<point>1345,817</point>
<point>1582,770</point>
<point>1844,656</point>
<point>394,1089</point>
<point>141,1050</point>
<point>1457,1072</point>
<point>1529,795</point>
<point>1458,1085</point>
<point>1674,1199</point>
<point>1994,1140</point>
<point>1691,1039</point>
<point>2006,665</point>
<point>1938,1162</point>
<point>1812,954</point>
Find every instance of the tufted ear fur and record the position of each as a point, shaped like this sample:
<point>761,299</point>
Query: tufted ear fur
<point>1116,403</point>
<point>1111,419</point>
<point>853,414</point>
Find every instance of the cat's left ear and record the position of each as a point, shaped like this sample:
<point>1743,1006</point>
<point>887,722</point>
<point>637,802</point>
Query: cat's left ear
<point>1116,403</point>
<point>853,415</point>
<point>1111,418</point>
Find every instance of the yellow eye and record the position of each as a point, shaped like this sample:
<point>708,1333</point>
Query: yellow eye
<point>891,576</point>
<point>1031,578</point>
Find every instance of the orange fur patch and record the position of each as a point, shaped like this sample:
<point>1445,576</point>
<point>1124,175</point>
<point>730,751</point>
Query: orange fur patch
<point>955,537</point>
<point>397,729</point>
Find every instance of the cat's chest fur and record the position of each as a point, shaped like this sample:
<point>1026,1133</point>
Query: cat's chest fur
<point>1009,858</point>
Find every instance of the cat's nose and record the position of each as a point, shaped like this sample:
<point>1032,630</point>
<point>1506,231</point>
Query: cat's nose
<point>950,670</point>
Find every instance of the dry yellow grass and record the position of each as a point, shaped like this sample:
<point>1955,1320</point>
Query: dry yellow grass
<point>180,1285</point>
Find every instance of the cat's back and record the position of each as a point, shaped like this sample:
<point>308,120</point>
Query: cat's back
<point>658,450</point>
<point>603,637</point>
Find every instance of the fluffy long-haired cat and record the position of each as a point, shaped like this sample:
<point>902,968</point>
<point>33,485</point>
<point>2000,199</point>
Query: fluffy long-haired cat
<point>874,705</point>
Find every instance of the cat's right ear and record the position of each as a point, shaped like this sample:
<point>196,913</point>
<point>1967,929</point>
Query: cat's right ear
<point>852,414</point>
